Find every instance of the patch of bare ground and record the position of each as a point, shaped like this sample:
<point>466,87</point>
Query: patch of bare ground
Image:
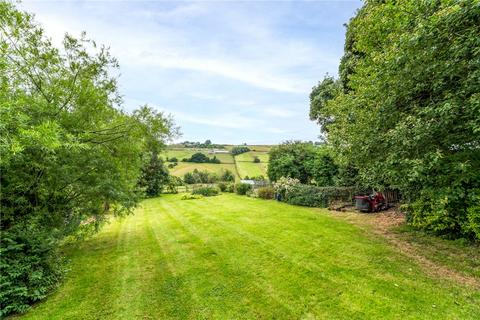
<point>384,224</point>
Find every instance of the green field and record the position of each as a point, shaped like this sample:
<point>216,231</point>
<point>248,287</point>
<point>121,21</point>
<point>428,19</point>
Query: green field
<point>246,167</point>
<point>181,153</point>
<point>184,167</point>
<point>242,165</point>
<point>232,257</point>
<point>251,169</point>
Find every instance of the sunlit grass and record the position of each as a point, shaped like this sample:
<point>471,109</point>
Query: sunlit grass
<point>232,257</point>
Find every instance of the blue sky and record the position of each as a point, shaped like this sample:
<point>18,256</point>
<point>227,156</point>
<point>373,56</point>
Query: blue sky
<point>232,72</point>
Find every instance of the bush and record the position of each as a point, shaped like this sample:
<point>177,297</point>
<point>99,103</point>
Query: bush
<point>29,268</point>
<point>266,193</point>
<point>230,188</point>
<point>242,188</point>
<point>256,159</point>
<point>313,196</point>
<point>222,186</point>
<point>227,175</point>
<point>191,196</point>
<point>206,191</point>
<point>446,213</point>
<point>173,159</point>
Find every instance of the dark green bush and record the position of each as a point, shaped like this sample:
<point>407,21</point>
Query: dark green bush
<point>313,196</point>
<point>222,186</point>
<point>266,193</point>
<point>29,268</point>
<point>242,188</point>
<point>206,191</point>
<point>446,213</point>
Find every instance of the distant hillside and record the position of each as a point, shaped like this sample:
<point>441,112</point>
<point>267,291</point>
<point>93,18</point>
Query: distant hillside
<point>241,165</point>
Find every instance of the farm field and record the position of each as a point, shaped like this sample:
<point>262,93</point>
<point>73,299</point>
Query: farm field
<point>232,257</point>
<point>241,165</point>
<point>181,153</point>
<point>251,169</point>
<point>184,167</point>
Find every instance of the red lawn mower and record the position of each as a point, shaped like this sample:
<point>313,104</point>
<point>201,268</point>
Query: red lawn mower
<point>372,203</point>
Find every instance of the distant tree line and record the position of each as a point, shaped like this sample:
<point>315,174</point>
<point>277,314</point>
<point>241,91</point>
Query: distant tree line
<point>207,144</point>
<point>239,150</point>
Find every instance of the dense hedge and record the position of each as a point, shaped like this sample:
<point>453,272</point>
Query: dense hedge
<point>313,196</point>
<point>206,191</point>
<point>29,268</point>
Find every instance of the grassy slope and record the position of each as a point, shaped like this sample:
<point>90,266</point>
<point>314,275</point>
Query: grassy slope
<point>231,257</point>
<point>246,166</point>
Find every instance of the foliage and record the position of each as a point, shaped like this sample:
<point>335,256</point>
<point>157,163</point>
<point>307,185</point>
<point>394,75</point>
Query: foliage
<point>154,176</point>
<point>266,192</point>
<point>206,191</point>
<point>29,267</point>
<point>283,185</point>
<point>291,159</point>
<point>172,183</point>
<point>230,188</point>
<point>256,159</point>
<point>197,176</point>
<point>323,197</point>
<point>201,158</point>
<point>302,161</point>
<point>191,196</point>
<point>222,186</point>
<point>242,188</point>
<point>70,156</point>
<point>173,159</point>
<point>408,113</point>
<point>207,144</point>
<point>239,150</point>
<point>227,175</point>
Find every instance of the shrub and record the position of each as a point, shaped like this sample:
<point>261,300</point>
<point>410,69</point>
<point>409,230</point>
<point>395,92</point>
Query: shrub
<point>227,175</point>
<point>242,188</point>
<point>191,196</point>
<point>256,159</point>
<point>206,191</point>
<point>222,186</point>
<point>441,212</point>
<point>266,192</point>
<point>173,159</point>
<point>230,188</point>
<point>29,268</point>
<point>313,196</point>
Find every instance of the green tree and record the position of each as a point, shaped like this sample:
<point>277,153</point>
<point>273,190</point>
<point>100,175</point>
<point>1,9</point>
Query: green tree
<point>291,159</point>
<point>408,113</point>
<point>69,155</point>
<point>154,176</point>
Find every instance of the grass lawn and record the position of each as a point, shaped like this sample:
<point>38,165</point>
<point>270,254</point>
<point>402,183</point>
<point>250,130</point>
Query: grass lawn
<point>232,257</point>
<point>184,167</point>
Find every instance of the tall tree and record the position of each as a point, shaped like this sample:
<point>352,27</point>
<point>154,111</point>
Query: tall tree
<point>409,111</point>
<point>69,155</point>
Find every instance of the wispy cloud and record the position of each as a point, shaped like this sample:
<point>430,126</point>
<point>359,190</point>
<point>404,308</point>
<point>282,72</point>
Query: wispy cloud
<point>243,66</point>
